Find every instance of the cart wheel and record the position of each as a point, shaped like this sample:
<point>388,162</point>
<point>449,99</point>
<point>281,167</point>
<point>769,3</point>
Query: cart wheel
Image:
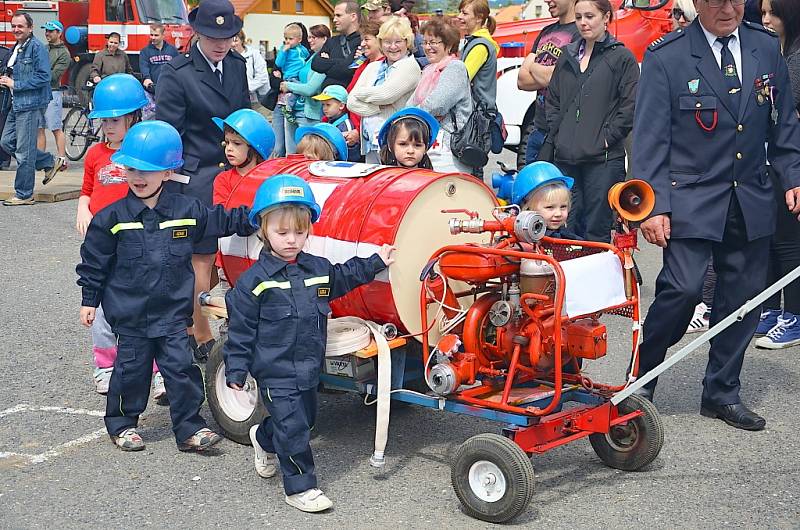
<point>492,477</point>
<point>234,411</point>
<point>631,447</point>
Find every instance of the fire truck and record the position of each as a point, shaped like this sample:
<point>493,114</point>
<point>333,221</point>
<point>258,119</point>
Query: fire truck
<point>87,22</point>
<point>637,23</point>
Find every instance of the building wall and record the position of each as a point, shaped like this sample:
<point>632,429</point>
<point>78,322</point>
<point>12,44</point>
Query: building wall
<point>268,28</point>
<point>535,9</point>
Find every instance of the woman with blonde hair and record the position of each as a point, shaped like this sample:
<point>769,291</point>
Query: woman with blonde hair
<point>683,13</point>
<point>386,84</point>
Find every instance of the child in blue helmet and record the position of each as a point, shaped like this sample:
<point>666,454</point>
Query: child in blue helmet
<point>249,140</point>
<point>278,314</point>
<point>542,188</point>
<point>322,141</point>
<point>136,260</point>
<point>405,138</point>
<point>118,100</point>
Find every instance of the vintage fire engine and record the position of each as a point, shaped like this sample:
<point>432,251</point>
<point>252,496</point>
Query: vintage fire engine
<point>495,320</point>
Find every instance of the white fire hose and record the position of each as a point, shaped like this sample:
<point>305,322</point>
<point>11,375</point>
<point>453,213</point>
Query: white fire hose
<point>347,335</point>
<point>718,328</point>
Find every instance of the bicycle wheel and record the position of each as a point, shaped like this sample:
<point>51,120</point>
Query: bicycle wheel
<point>78,133</point>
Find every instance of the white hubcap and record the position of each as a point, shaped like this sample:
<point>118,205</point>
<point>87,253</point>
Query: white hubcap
<point>487,481</point>
<point>236,405</point>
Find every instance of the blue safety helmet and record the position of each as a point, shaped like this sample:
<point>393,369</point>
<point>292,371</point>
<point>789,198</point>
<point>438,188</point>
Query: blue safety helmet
<point>117,95</point>
<point>327,132</point>
<point>534,176</point>
<point>253,127</point>
<point>283,189</point>
<point>412,113</point>
<point>150,146</point>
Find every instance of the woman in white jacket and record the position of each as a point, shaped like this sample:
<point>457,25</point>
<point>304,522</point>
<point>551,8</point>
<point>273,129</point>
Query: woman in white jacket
<point>257,74</point>
<point>386,84</point>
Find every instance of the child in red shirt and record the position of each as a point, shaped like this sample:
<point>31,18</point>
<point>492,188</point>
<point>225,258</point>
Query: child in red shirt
<point>118,100</point>
<point>249,140</point>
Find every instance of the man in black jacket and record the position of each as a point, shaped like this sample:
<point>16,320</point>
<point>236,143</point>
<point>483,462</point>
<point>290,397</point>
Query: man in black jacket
<point>336,55</point>
<point>210,80</point>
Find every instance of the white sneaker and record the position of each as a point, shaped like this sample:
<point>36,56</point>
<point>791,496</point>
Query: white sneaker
<point>102,378</point>
<point>265,462</point>
<point>311,501</point>
<point>699,322</point>
<point>159,391</point>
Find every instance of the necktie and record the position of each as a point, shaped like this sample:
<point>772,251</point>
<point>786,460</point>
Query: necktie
<point>219,74</point>
<point>729,72</point>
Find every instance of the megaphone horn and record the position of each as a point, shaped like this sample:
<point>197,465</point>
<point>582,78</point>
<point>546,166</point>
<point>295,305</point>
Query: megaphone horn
<point>633,200</point>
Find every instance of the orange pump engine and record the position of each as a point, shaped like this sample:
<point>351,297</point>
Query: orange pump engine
<point>513,332</point>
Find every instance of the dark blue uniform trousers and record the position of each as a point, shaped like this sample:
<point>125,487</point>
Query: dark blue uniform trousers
<point>129,389</point>
<point>287,432</point>
<point>741,274</point>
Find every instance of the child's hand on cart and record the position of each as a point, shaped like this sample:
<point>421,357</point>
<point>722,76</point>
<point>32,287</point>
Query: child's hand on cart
<point>87,315</point>
<point>385,253</point>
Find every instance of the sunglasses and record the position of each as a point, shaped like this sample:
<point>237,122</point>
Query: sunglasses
<point>677,13</point>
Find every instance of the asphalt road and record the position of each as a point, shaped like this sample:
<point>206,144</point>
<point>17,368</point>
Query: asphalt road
<point>707,475</point>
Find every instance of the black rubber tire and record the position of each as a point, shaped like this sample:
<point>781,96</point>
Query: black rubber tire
<point>238,431</point>
<point>515,466</point>
<point>78,133</point>
<point>631,447</point>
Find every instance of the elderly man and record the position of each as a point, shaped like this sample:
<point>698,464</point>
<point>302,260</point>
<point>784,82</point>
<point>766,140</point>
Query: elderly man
<point>53,116</point>
<point>27,93</point>
<point>208,81</point>
<point>709,98</point>
<point>336,55</point>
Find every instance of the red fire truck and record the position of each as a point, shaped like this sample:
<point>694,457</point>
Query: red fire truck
<point>87,22</point>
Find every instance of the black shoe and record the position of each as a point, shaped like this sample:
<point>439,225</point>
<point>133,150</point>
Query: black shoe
<point>645,393</point>
<point>202,351</point>
<point>736,415</point>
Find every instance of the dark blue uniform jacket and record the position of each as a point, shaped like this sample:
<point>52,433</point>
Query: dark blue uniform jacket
<point>694,171</point>
<point>137,262</point>
<point>278,317</point>
<point>188,95</point>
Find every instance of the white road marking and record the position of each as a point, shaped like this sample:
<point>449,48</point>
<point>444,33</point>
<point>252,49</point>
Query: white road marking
<point>58,449</point>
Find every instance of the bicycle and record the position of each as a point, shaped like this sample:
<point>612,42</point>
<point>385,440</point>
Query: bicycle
<point>79,129</point>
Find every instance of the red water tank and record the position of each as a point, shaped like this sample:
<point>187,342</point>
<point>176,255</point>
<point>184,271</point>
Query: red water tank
<point>363,207</point>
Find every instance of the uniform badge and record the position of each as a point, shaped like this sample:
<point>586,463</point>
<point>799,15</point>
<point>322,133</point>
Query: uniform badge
<point>694,84</point>
<point>323,291</point>
<point>179,233</point>
<point>220,21</point>
<point>730,70</point>
<point>759,98</point>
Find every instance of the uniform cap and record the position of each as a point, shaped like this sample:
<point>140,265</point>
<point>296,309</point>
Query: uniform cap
<point>215,19</point>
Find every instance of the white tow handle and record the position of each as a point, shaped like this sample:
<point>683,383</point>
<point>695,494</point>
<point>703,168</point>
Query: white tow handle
<point>718,328</point>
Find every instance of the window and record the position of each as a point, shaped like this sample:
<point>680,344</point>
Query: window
<point>298,6</point>
<point>119,10</point>
<point>538,11</point>
<point>276,6</point>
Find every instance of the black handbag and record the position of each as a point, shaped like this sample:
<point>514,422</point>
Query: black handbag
<point>471,143</point>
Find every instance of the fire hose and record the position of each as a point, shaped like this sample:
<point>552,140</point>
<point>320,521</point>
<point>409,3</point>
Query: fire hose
<point>715,330</point>
<point>348,335</point>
